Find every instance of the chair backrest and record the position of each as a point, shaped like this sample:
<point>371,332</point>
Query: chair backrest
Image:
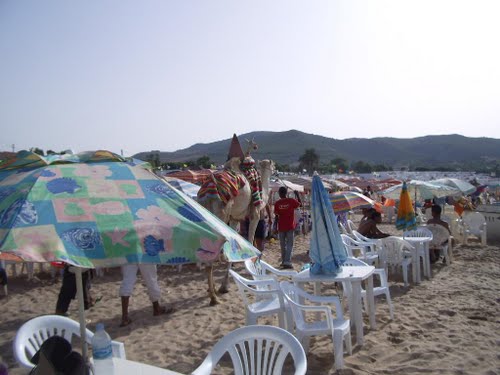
<point>392,250</point>
<point>350,226</point>
<point>34,332</point>
<point>261,270</point>
<point>254,267</point>
<point>475,222</point>
<point>418,232</point>
<point>439,235</point>
<point>265,288</point>
<point>343,229</point>
<point>256,350</point>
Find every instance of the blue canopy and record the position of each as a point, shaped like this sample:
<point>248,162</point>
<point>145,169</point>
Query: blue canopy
<point>327,251</point>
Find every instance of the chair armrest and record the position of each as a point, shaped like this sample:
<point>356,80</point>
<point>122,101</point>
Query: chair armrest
<point>322,300</point>
<point>278,272</point>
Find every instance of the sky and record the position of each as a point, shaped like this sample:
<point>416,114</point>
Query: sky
<point>131,76</point>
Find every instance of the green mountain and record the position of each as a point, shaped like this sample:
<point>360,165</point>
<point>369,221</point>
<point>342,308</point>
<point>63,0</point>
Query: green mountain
<point>286,148</point>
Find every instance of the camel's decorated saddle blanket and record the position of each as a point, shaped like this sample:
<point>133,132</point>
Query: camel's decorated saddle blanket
<point>223,186</point>
<point>226,184</point>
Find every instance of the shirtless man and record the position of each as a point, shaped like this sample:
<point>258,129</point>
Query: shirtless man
<point>436,219</point>
<point>368,228</point>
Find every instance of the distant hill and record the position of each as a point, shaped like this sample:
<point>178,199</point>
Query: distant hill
<point>286,148</point>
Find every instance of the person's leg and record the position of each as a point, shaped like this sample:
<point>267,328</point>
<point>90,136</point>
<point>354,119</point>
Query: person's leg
<point>87,297</point>
<point>260,234</point>
<point>282,236</point>
<point>129,276</point>
<point>289,248</point>
<point>3,277</point>
<point>150,276</point>
<point>67,292</point>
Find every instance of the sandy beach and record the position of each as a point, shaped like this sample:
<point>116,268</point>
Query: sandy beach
<point>446,325</point>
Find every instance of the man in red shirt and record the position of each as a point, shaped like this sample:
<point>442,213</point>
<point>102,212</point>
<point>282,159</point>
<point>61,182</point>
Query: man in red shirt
<point>284,208</point>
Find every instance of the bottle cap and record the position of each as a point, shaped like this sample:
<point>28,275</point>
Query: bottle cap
<point>99,327</point>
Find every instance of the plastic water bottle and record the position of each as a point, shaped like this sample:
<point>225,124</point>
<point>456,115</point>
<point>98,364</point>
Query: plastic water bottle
<point>102,351</point>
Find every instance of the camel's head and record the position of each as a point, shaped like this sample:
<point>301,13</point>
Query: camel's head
<point>267,165</point>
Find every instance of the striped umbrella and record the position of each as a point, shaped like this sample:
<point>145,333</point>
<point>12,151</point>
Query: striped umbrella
<point>405,218</point>
<point>345,201</point>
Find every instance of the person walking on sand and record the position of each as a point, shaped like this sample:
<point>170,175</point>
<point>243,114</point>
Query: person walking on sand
<point>67,293</point>
<point>284,209</point>
<point>150,277</point>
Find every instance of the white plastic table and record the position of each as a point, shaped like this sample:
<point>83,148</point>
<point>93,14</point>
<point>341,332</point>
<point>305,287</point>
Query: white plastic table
<point>354,275</point>
<point>126,367</point>
<point>420,243</point>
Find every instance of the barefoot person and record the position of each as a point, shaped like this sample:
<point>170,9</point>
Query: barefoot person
<point>150,277</point>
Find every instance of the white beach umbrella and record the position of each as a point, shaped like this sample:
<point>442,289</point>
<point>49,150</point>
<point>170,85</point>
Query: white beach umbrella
<point>421,190</point>
<point>463,186</point>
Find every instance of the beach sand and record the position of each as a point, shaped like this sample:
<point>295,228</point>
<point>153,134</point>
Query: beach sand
<point>448,325</point>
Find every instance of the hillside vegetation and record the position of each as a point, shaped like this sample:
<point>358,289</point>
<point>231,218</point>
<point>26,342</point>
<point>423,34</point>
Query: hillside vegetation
<point>285,148</point>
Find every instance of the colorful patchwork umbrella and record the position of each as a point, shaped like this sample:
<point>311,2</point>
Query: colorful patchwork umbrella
<point>191,190</point>
<point>97,209</point>
<point>327,251</point>
<point>345,201</point>
<point>105,213</point>
<point>405,218</point>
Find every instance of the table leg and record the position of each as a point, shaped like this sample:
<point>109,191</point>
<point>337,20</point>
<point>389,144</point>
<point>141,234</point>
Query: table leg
<point>428,260</point>
<point>414,262</point>
<point>371,302</point>
<point>355,309</point>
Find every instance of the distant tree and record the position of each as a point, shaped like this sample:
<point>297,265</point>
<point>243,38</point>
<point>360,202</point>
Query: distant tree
<point>37,150</point>
<point>51,152</point>
<point>340,165</point>
<point>309,160</point>
<point>362,167</point>
<point>381,168</point>
<point>154,159</point>
<point>204,162</point>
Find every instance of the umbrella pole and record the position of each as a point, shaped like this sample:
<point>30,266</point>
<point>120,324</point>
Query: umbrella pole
<point>81,312</point>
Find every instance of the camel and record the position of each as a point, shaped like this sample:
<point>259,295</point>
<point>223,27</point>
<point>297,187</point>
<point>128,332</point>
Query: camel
<point>237,208</point>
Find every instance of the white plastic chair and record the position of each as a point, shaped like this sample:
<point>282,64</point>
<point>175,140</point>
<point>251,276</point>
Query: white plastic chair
<point>343,229</point>
<point>351,244</point>
<point>34,332</point>
<point>442,240</point>
<point>256,350</point>
<point>333,323</point>
<point>396,252</point>
<point>422,251</point>
<point>474,225</point>
<point>370,243</point>
<point>261,270</point>
<point>261,298</point>
<point>383,289</point>
<point>350,226</point>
